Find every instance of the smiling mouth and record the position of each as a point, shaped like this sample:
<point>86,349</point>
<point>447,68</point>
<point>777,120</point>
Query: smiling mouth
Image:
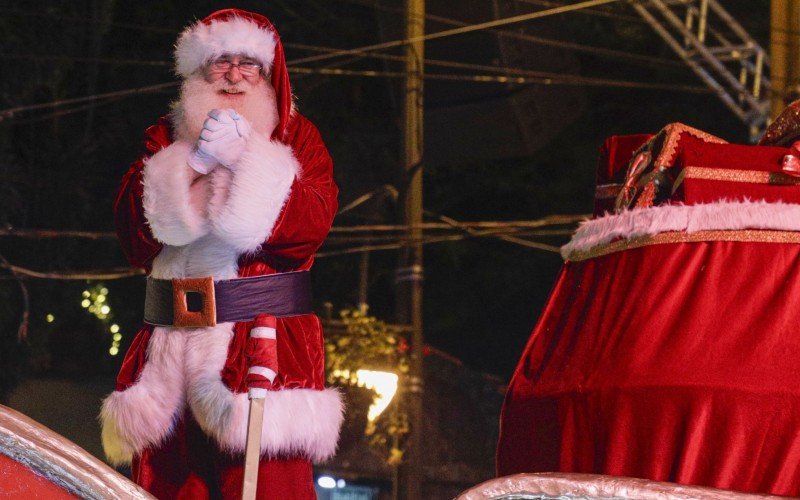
<point>232,92</point>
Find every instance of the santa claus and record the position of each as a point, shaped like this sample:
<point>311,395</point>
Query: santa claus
<point>225,210</point>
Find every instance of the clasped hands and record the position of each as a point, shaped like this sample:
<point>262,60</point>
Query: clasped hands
<point>222,141</point>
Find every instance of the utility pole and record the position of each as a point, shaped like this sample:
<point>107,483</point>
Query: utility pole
<point>410,270</point>
<point>784,41</point>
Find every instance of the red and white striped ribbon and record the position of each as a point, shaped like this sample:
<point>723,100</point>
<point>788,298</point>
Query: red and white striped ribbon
<point>263,354</point>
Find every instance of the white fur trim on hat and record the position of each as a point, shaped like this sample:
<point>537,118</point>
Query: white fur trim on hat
<point>200,43</point>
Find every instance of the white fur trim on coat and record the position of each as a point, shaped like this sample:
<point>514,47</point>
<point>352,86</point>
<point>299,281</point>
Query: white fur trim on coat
<point>145,413</point>
<point>184,366</point>
<point>175,196</point>
<point>200,43</point>
<point>260,187</point>
<point>689,218</point>
<point>297,422</point>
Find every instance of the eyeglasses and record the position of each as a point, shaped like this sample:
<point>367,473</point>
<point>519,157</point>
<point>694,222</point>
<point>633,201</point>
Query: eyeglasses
<point>223,65</point>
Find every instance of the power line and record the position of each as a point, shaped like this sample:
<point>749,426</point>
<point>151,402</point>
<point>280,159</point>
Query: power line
<point>541,79</point>
<point>430,62</point>
<point>111,274</point>
<point>462,65</point>
<point>550,220</point>
<point>84,20</point>
<point>69,111</point>
<point>599,51</point>
<point>551,79</point>
<point>9,113</point>
<point>57,233</point>
<point>591,12</point>
<point>101,60</point>
<point>461,30</point>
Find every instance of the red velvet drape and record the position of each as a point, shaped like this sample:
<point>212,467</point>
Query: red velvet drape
<point>676,362</point>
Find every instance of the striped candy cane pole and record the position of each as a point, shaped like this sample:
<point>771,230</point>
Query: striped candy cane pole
<point>262,351</point>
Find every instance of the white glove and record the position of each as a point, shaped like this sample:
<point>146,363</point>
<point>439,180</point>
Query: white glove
<point>201,162</point>
<point>223,138</point>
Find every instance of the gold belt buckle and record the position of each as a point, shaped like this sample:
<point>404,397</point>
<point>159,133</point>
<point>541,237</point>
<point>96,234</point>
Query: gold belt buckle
<point>181,315</point>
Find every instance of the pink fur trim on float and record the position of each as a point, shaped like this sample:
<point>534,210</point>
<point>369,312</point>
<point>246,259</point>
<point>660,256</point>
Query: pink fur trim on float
<point>145,413</point>
<point>200,43</point>
<point>174,196</point>
<point>689,218</point>
<point>262,181</point>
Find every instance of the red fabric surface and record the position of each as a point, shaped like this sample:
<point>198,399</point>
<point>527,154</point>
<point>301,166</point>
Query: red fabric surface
<point>694,152</point>
<point>134,360</point>
<point>615,154</point>
<point>133,233</point>
<point>265,321</point>
<point>189,466</point>
<point>674,362</point>
<point>19,481</point>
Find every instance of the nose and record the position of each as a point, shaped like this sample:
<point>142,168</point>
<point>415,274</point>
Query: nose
<point>234,75</point>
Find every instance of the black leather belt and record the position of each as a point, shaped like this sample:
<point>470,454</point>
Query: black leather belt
<point>201,302</point>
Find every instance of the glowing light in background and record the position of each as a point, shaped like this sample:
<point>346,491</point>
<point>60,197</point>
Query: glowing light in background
<point>326,482</point>
<point>94,300</point>
<point>385,386</point>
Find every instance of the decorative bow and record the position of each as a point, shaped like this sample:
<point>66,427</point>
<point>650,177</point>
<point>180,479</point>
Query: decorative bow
<point>636,168</point>
<point>791,162</point>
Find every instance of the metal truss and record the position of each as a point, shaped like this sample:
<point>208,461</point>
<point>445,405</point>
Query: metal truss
<point>718,49</point>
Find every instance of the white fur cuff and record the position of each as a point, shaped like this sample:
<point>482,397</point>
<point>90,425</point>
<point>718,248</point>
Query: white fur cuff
<point>260,187</point>
<point>144,414</point>
<point>174,204</point>
<point>297,422</point>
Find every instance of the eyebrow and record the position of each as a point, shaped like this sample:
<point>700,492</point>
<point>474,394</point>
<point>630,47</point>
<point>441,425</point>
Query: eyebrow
<point>241,58</point>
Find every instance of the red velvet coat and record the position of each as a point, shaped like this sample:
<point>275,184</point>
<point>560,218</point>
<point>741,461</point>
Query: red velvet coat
<point>269,213</point>
<point>300,230</point>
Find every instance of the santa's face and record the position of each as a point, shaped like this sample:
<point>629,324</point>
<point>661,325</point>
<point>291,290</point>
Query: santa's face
<point>248,92</point>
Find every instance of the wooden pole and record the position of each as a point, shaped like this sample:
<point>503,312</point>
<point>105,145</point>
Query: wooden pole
<point>410,271</point>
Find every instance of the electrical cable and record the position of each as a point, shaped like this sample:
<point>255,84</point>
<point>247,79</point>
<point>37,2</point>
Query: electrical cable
<point>9,113</point>
<point>553,79</point>
<point>598,51</point>
<point>100,60</point>
<point>461,30</point>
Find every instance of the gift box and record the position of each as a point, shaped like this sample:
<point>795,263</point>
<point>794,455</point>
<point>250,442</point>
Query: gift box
<point>706,173</point>
<point>681,164</point>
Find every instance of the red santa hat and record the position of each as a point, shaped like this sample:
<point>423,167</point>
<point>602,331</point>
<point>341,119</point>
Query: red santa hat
<point>236,31</point>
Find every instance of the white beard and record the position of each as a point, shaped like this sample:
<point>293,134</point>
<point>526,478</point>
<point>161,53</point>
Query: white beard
<point>197,97</point>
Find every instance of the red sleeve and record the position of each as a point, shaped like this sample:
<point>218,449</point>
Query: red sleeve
<point>308,214</point>
<point>135,237</point>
